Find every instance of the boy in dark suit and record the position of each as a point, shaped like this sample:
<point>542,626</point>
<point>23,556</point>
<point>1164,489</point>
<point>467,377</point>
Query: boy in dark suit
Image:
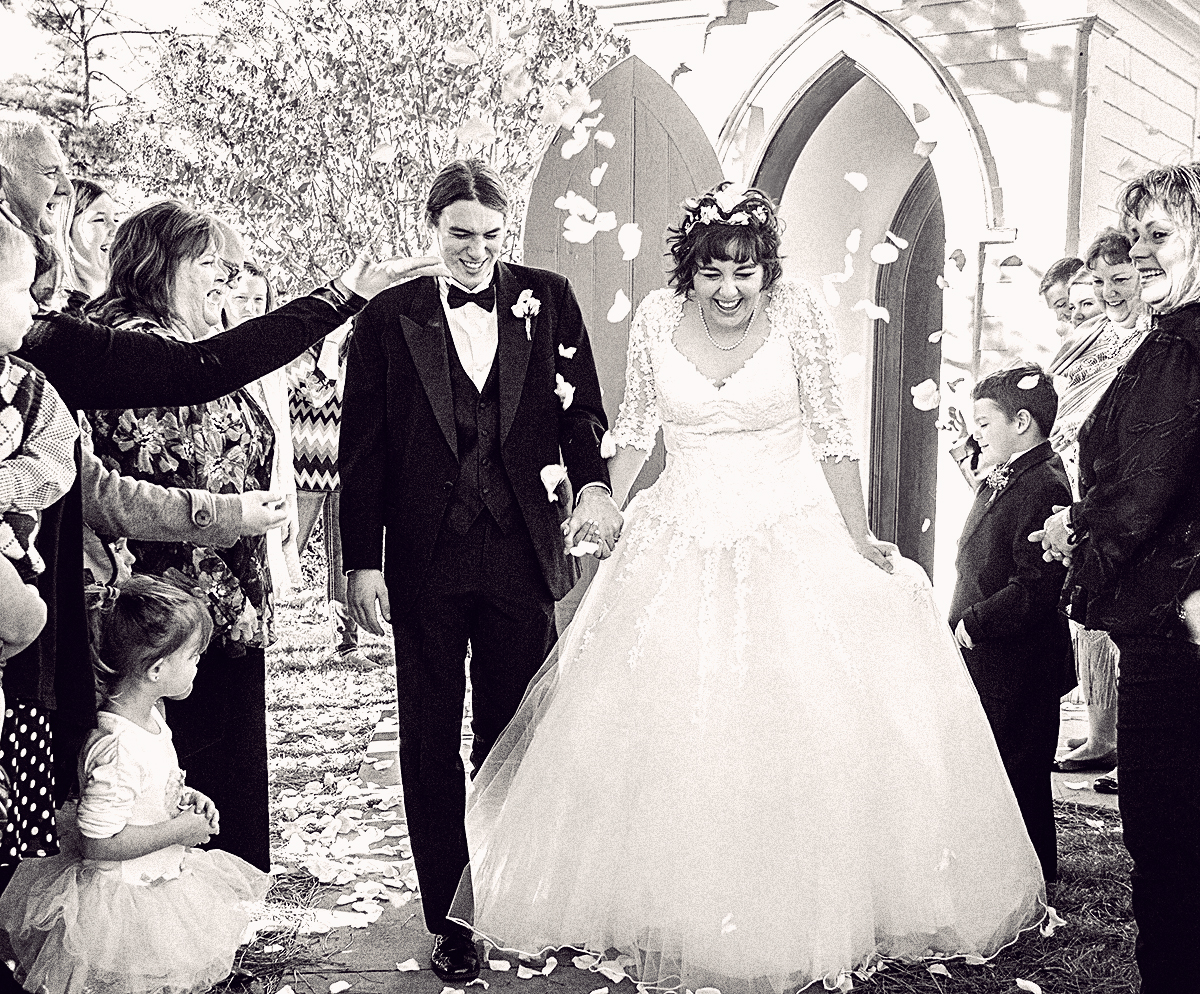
<point>1004,613</point>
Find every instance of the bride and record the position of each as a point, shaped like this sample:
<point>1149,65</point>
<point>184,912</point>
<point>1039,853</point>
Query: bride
<point>755,757</point>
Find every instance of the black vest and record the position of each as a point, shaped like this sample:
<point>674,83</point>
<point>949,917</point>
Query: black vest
<point>482,481</point>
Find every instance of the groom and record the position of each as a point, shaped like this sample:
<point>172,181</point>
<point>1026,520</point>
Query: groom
<point>458,392</point>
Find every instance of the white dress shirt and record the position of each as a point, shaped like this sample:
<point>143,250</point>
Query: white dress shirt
<point>474,332</point>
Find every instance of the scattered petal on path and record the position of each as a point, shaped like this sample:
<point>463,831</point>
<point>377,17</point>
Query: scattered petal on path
<point>1028,985</point>
<point>939,969</point>
<point>856,180</point>
<point>1076,784</point>
<point>499,965</point>
<point>524,973</point>
<point>338,986</point>
<point>408,966</point>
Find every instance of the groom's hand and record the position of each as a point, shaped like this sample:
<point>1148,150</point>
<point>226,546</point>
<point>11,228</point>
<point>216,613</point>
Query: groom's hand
<point>364,589</point>
<point>596,519</point>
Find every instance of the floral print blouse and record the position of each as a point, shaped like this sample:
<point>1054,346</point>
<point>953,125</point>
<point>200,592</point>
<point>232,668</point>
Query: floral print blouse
<point>224,446</point>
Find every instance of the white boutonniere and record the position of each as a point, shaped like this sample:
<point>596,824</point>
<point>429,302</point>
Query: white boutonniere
<point>526,306</point>
<point>997,479</point>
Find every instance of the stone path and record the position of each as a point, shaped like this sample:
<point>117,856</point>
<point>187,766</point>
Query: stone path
<point>366,959</point>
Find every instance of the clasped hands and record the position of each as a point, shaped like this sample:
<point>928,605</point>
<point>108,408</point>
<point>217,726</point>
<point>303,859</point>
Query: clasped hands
<point>1055,536</point>
<point>596,519</point>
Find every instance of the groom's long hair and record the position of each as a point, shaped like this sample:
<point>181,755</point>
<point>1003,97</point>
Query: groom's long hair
<point>465,179</point>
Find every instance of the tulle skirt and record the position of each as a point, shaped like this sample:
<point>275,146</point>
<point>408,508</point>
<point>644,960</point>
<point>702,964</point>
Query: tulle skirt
<point>76,926</point>
<point>751,764</point>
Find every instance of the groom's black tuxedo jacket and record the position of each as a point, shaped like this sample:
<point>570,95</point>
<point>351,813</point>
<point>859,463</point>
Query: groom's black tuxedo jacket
<point>398,453</point>
<point>1006,594</point>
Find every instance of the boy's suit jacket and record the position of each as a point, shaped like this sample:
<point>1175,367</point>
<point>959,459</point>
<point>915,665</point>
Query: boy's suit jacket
<point>1006,594</point>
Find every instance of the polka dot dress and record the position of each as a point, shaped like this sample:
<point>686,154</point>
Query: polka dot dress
<point>25,752</point>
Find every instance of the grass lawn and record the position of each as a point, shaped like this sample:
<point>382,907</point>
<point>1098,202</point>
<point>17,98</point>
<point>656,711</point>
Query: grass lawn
<point>321,716</point>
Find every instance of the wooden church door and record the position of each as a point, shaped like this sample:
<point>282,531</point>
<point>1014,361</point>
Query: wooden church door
<point>658,157</point>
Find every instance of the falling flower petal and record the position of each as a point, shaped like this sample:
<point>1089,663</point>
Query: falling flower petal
<point>524,973</point>
<point>598,173</point>
<point>591,122</point>
<point>515,88</point>
<point>458,54</point>
<point>606,221</point>
<point>874,311</point>
<point>925,525</point>
<point>567,353</point>
<point>936,336</point>
<point>499,965</point>
<point>630,240</point>
<point>853,240</point>
<point>727,924</point>
<point>608,449</point>
<point>920,113</point>
<point>856,180</point>
<point>924,149</point>
<point>475,129</point>
<point>576,204</point>
<point>1028,985</point>
<point>384,154</point>
<point>552,476</point>
<point>938,969</point>
<point>959,258</point>
<point>943,283</point>
<point>338,986</point>
<point>577,230</point>
<point>604,138</point>
<point>831,294</point>
<point>551,115</point>
<point>926,396</point>
<point>1076,784</point>
<point>1052,922</point>
<point>576,143</point>
<point>900,243</point>
<point>1028,382</point>
<point>565,390</point>
<point>884,253</point>
<point>620,308</point>
<point>852,365</point>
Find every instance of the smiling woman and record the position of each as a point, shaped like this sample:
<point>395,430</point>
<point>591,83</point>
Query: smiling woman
<point>94,221</point>
<point>167,279</point>
<point>1133,543</point>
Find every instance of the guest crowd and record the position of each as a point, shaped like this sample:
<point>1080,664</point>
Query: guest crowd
<point>169,438</point>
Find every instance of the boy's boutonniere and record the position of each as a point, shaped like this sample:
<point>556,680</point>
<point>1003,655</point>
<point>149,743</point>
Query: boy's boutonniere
<point>997,479</point>
<point>526,306</point>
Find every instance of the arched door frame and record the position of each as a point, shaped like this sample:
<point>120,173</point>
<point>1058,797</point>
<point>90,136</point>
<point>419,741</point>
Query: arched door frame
<point>836,47</point>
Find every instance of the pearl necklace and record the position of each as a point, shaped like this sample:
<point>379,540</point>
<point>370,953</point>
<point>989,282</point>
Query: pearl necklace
<point>745,329</point>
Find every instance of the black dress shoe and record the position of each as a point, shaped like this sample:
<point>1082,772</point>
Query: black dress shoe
<point>454,959</point>
<point>1105,785</point>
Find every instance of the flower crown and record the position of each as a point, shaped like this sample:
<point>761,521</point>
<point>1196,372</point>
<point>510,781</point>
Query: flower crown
<point>728,204</point>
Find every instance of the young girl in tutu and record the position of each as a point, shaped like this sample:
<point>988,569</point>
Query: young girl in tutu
<point>128,905</point>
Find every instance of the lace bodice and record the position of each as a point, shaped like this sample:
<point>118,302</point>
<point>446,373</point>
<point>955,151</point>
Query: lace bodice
<point>738,454</point>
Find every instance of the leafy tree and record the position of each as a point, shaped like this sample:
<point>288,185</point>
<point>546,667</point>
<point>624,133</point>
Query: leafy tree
<point>75,93</point>
<point>317,125</point>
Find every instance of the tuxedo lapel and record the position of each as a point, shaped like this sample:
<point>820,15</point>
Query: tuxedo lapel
<point>425,332</point>
<point>986,498</point>
<point>512,347</point>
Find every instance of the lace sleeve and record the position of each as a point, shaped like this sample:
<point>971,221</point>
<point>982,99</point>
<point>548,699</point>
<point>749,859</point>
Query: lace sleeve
<point>638,419</point>
<point>816,360</point>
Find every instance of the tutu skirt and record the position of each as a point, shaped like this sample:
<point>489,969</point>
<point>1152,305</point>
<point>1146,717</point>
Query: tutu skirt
<point>76,926</point>
<point>754,761</point>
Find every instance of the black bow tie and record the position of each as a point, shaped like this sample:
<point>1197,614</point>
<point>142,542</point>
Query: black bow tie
<point>484,298</point>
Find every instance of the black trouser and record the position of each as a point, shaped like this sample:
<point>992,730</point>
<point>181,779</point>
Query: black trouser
<point>485,588</point>
<point>220,734</point>
<point>1159,731</point>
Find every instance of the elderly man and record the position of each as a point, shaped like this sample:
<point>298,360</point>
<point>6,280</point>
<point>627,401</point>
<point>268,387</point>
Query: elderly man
<point>34,172</point>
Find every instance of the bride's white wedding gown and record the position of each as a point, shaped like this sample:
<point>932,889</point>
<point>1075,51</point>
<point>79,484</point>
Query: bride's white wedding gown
<point>754,757</point>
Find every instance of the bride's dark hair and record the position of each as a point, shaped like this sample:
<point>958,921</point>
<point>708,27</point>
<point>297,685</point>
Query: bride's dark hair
<point>724,224</point>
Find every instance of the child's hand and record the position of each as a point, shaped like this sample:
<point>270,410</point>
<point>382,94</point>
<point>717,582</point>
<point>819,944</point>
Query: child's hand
<point>193,829</point>
<point>202,804</point>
